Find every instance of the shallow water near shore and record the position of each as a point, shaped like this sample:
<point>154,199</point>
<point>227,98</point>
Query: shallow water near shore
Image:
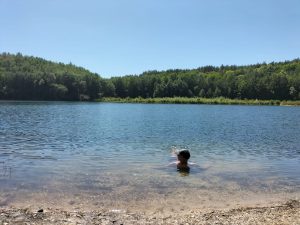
<point>94,155</point>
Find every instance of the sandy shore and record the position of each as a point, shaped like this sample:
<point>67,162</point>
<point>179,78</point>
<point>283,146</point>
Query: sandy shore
<point>286,213</point>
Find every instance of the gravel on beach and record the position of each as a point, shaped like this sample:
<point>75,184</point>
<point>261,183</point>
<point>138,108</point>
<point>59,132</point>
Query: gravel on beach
<point>287,213</point>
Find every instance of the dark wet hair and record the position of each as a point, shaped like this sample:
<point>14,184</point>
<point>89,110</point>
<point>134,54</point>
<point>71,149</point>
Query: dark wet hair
<point>185,154</point>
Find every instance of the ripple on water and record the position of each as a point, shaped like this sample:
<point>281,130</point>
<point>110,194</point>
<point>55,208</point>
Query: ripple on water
<point>120,151</point>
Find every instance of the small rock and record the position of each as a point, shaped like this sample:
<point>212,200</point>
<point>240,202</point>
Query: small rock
<point>40,211</point>
<point>72,202</point>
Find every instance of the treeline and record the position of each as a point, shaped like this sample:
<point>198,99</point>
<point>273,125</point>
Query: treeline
<point>31,78</point>
<point>279,81</point>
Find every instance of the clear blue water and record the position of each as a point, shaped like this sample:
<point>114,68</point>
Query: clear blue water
<point>97,147</point>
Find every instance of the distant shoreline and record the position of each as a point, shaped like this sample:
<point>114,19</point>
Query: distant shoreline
<point>177,100</point>
<point>210,101</point>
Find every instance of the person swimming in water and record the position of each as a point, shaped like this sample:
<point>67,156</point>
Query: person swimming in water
<point>182,160</point>
<point>183,165</point>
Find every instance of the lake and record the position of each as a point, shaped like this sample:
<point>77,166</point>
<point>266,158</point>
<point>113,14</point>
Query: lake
<point>113,155</point>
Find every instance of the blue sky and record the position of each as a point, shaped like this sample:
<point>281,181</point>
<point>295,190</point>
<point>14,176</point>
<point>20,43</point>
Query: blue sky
<point>121,37</point>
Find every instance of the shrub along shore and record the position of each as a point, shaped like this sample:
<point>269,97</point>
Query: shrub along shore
<point>185,100</point>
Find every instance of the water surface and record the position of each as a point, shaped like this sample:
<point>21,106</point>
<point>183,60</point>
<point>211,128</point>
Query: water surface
<point>120,152</point>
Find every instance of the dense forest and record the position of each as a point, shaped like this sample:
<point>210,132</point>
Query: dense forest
<point>32,78</point>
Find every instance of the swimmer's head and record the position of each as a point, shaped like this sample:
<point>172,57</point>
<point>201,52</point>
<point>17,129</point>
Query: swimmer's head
<point>185,154</point>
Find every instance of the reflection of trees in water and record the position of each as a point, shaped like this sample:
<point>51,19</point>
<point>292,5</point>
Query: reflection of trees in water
<point>5,170</point>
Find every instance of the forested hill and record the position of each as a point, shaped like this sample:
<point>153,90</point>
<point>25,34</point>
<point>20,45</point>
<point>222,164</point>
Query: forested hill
<point>280,81</point>
<point>31,78</point>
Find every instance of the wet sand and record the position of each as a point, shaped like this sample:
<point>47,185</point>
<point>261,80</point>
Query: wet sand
<point>285,213</point>
<point>173,206</point>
